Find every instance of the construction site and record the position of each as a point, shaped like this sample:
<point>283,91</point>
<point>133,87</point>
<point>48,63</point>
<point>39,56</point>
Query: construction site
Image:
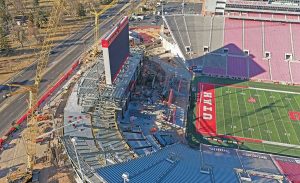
<point>123,97</point>
<point>110,91</point>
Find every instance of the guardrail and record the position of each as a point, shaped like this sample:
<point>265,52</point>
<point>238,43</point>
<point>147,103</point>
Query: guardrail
<point>40,101</point>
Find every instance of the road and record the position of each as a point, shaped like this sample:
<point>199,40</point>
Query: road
<point>60,60</point>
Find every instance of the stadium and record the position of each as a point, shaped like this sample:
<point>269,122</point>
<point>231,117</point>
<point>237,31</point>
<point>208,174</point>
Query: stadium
<point>248,72</point>
<point>230,113</point>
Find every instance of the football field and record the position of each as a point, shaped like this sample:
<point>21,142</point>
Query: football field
<point>258,114</point>
<point>247,111</point>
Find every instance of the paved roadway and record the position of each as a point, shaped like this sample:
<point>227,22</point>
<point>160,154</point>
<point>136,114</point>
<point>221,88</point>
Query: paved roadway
<point>60,60</point>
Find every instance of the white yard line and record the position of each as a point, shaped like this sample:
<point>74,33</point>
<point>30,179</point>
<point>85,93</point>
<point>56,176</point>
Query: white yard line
<point>297,103</point>
<point>277,91</point>
<point>264,117</point>
<point>223,111</point>
<point>237,100</point>
<point>282,144</point>
<point>273,119</point>
<point>292,121</point>
<point>233,133</point>
<point>286,132</point>
<point>261,137</point>
<point>249,121</point>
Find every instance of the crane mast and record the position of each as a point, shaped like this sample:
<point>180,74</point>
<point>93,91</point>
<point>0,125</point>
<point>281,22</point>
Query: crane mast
<point>31,132</point>
<point>96,29</point>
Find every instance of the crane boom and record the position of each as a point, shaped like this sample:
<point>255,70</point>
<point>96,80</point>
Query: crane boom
<point>31,132</point>
<point>96,29</point>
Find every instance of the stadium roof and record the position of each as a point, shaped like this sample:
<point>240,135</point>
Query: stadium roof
<point>176,163</point>
<point>179,163</point>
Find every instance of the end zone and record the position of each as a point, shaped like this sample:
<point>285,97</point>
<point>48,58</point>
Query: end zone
<point>206,109</point>
<point>206,122</point>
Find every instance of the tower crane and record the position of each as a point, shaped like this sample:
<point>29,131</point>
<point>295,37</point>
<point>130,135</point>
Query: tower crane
<point>96,29</point>
<point>30,134</point>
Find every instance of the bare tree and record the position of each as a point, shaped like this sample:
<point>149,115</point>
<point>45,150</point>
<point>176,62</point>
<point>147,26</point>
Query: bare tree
<point>19,7</point>
<point>33,31</point>
<point>4,17</point>
<point>19,34</point>
<point>4,42</point>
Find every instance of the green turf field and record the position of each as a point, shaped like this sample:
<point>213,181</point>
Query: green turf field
<point>266,118</point>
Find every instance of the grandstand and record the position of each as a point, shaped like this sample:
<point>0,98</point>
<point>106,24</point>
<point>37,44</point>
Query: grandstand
<point>244,46</point>
<point>130,134</point>
<point>277,6</point>
<point>288,167</point>
<point>179,163</point>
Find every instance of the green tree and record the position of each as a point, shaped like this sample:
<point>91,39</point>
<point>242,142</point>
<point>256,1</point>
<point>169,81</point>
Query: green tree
<point>80,10</point>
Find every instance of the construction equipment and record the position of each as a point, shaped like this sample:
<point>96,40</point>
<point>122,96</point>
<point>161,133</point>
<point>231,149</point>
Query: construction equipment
<point>96,29</point>
<point>31,132</point>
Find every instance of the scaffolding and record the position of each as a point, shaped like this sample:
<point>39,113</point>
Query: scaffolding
<point>106,104</point>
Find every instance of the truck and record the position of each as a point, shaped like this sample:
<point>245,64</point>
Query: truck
<point>137,17</point>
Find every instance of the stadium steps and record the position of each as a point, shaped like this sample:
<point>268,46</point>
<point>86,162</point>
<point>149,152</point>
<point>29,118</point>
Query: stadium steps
<point>263,37</point>
<point>181,44</point>
<point>107,134</point>
<point>278,46</point>
<point>264,49</point>
<point>290,72</point>
<point>182,32</point>
<point>196,37</point>
<point>187,32</point>
<point>292,42</point>
<point>206,36</point>
<point>293,53</point>
<point>153,142</point>
<point>243,35</point>
<point>171,32</point>
<point>211,32</point>
<point>217,36</point>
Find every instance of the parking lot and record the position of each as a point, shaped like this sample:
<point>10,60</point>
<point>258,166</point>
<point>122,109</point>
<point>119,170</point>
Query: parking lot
<point>154,17</point>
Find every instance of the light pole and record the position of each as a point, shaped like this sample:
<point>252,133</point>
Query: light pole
<point>74,145</point>
<point>125,177</point>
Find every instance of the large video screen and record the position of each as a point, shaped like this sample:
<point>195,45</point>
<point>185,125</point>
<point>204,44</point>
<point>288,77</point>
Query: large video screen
<point>119,51</point>
<point>115,46</point>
